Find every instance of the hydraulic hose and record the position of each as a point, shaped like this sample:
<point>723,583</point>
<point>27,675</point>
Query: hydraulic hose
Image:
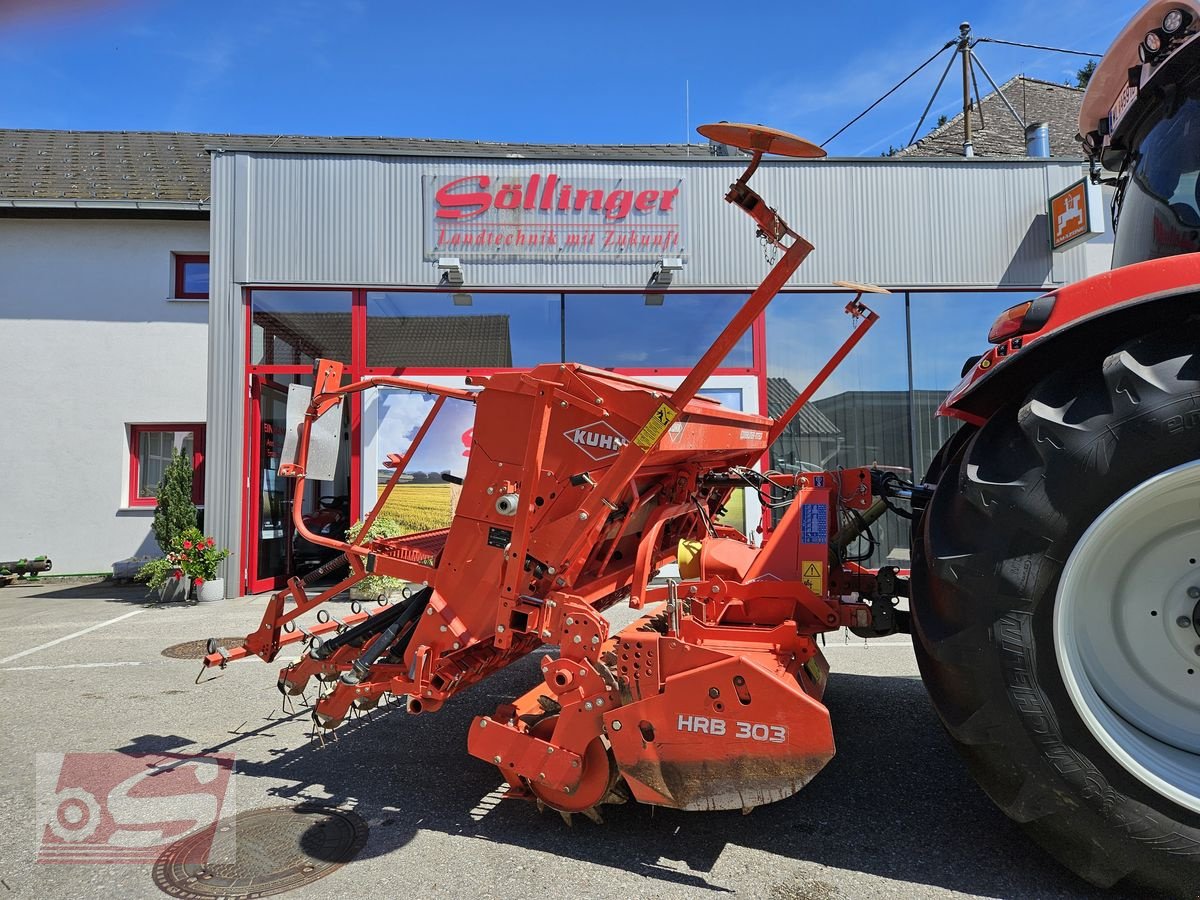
<point>368,627</point>
<point>411,610</point>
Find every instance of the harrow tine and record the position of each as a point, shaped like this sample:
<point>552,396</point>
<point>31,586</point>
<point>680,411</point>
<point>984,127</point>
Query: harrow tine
<point>616,796</point>
<point>594,814</point>
<point>566,817</point>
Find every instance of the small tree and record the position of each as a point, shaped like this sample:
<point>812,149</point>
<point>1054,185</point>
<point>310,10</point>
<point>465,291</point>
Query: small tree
<point>1084,75</point>
<point>174,513</point>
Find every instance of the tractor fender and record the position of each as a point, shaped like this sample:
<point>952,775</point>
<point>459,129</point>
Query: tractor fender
<point>1094,314</point>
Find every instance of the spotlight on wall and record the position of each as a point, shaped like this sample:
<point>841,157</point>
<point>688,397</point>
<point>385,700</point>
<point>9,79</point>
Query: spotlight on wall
<point>452,270</point>
<point>664,272</point>
<point>461,299</point>
<point>661,277</point>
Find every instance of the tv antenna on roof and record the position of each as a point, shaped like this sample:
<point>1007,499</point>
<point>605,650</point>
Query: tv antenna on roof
<point>964,46</point>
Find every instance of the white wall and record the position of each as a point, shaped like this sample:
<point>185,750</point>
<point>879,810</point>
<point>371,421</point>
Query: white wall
<point>91,343</point>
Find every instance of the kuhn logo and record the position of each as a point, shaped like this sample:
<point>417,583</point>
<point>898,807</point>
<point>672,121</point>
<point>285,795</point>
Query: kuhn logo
<point>599,440</point>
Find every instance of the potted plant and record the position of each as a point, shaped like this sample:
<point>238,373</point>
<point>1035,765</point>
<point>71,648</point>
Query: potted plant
<point>376,587</point>
<point>199,559</point>
<point>174,513</point>
<point>165,576</point>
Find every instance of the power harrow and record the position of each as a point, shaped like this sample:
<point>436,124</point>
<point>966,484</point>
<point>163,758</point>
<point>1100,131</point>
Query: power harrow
<point>580,486</point>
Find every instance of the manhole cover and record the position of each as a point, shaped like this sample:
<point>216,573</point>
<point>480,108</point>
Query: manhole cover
<point>199,649</point>
<point>260,852</point>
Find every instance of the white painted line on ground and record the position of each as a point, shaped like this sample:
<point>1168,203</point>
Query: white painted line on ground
<point>99,665</point>
<point>905,645</point>
<point>69,637</point>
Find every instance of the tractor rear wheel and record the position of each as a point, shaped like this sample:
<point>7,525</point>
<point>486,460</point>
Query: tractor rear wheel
<point>1055,599</point>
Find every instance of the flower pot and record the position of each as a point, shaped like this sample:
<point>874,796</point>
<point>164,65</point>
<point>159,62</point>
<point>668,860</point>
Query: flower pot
<point>208,591</point>
<point>174,590</point>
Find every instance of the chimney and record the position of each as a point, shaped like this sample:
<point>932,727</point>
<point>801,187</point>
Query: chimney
<point>1037,140</point>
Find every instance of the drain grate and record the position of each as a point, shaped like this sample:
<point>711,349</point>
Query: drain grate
<point>260,852</point>
<point>199,649</point>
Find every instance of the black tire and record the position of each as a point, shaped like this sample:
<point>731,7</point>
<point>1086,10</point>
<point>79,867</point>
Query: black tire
<point>1012,500</point>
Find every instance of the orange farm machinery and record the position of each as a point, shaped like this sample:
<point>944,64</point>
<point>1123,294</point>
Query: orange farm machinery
<point>580,486</point>
<point>1055,582</point>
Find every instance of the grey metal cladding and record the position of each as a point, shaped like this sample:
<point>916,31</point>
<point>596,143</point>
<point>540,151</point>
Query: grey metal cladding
<point>227,389</point>
<point>344,219</point>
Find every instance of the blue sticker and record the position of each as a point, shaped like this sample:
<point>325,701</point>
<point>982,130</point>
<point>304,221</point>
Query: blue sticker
<point>814,523</point>
<point>819,481</point>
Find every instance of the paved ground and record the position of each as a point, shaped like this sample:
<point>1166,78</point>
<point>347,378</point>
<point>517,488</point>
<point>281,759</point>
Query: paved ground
<point>893,815</point>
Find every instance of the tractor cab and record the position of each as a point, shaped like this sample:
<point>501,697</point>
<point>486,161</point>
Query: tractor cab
<point>1140,126</point>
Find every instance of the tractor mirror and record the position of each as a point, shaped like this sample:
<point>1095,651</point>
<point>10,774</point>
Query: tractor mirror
<point>324,437</point>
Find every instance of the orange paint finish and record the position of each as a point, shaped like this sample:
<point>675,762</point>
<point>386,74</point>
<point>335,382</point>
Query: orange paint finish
<point>579,488</point>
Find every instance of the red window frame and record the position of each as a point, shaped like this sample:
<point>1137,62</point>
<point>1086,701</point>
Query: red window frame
<point>180,261</point>
<point>358,369</point>
<point>135,433</point>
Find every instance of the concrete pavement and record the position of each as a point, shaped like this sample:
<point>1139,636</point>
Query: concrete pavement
<point>895,814</point>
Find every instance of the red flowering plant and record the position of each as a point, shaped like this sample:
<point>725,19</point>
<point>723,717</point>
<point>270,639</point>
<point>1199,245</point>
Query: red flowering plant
<point>197,556</point>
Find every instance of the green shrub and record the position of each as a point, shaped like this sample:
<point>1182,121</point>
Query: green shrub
<point>157,572</point>
<point>383,527</point>
<point>174,513</point>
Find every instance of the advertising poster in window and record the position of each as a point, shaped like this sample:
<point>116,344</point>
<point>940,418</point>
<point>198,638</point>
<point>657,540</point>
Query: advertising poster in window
<point>735,507</point>
<point>423,500</point>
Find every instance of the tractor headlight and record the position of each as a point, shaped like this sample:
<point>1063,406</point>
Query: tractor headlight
<point>1152,42</point>
<point>1174,21</point>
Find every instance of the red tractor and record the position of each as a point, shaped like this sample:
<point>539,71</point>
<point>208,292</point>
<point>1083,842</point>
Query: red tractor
<point>1056,567</point>
<point>1055,590</point>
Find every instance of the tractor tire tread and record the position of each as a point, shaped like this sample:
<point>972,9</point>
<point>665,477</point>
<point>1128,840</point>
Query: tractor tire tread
<point>987,554</point>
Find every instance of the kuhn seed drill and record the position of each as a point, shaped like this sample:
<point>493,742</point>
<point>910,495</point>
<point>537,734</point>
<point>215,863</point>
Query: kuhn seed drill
<point>581,485</point>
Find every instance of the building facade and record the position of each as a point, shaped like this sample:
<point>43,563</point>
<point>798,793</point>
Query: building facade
<point>439,260</point>
<point>557,255</point>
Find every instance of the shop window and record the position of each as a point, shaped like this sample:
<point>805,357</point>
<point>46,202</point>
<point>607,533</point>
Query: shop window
<point>946,330</point>
<point>413,330</point>
<point>151,448</point>
<point>295,328</point>
<point>425,500</point>
<point>623,331</point>
<point>860,415</point>
<point>191,276</point>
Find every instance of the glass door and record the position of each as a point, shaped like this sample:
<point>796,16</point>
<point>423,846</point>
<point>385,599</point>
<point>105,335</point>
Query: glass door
<point>275,551</point>
<point>270,519</point>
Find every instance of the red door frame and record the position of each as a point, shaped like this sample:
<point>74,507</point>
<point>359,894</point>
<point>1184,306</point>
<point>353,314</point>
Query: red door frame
<point>252,501</point>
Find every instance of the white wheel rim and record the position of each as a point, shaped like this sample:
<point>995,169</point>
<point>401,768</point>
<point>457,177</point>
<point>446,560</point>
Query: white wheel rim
<point>1130,664</point>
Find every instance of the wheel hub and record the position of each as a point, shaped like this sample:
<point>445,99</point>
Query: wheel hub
<point>1126,629</point>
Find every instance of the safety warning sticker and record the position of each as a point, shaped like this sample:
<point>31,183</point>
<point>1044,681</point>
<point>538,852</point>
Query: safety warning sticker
<point>659,422</point>
<point>814,523</point>
<point>813,575</point>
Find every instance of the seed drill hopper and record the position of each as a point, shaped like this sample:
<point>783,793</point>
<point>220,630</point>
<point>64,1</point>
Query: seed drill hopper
<point>581,485</point>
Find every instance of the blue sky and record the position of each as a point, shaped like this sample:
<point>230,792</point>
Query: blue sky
<point>534,71</point>
<point>553,72</point>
